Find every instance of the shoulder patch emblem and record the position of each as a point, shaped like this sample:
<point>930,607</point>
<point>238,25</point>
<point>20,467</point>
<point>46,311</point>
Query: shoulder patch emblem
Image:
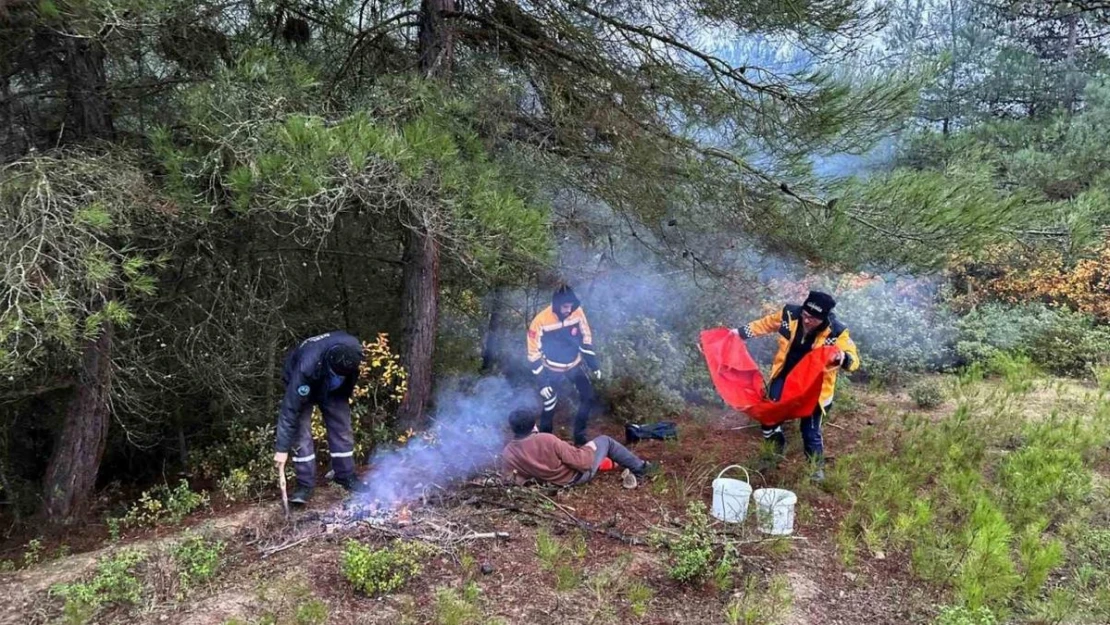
<point>303,390</point>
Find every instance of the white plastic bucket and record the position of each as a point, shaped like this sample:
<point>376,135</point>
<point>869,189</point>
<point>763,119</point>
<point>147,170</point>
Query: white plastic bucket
<point>775,510</point>
<point>730,496</point>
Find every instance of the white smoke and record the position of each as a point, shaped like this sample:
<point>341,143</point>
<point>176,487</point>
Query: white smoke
<point>469,428</point>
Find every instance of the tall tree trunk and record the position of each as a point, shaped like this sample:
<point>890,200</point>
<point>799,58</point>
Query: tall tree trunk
<point>420,278</point>
<point>420,310</point>
<point>435,38</point>
<point>89,109</point>
<point>75,461</point>
<point>1071,89</point>
<point>491,346</point>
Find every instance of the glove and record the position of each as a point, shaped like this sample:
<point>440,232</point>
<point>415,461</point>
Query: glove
<point>547,392</point>
<point>597,374</point>
<point>538,369</point>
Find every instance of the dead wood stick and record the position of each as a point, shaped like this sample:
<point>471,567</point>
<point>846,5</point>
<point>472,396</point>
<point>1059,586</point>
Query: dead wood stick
<point>484,536</point>
<point>269,552</point>
<point>284,490</point>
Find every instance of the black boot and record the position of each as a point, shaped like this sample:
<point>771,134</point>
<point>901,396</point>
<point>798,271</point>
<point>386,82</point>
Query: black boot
<point>353,484</point>
<point>647,470</point>
<point>817,467</point>
<point>301,495</point>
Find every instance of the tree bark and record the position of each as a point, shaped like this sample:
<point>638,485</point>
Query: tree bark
<point>491,346</point>
<point>75,461</point>
<point>420,310</point>
<point>420,276</point>
<point>435,38</point>
<point>88,107</point>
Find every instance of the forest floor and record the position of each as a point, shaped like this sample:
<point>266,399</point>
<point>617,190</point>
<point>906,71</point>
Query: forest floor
<point>590,554</point>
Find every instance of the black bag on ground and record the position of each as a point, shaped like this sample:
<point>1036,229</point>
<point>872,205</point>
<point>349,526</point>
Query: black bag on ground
<point>634,433</point>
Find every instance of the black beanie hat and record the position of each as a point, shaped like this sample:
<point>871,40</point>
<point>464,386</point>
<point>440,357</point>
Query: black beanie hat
<point>344,359</point>
<point>564,295</point>
<point>819,304</point>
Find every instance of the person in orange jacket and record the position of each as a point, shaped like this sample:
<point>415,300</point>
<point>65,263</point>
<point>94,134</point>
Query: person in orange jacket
<point>559,344</point>
<point>800,329</point>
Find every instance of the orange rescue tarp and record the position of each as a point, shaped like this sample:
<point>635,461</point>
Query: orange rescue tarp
<point>740,383</point>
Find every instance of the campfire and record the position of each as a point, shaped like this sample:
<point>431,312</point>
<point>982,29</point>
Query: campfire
<point>376,512</point>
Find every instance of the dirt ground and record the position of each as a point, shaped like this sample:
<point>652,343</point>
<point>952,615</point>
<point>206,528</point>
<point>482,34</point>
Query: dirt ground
<point>515,586</point>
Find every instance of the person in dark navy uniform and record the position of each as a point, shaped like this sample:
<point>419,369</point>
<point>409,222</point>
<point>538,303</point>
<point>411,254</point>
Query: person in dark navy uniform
<point>321,371</point>
<point>561,345</point>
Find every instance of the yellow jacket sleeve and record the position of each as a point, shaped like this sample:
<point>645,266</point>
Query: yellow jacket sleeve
<point>851,354</point>
<point>760,327</point>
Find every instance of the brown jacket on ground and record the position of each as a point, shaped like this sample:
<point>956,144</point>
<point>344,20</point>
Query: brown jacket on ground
<point>545,457</point>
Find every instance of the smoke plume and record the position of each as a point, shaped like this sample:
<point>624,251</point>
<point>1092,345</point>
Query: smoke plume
<point>468,431</point>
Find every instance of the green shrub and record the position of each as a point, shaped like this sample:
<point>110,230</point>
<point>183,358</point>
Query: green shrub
<point>959,615</point>
<point>898,330</point>
<point>561,559</point>
<point>639,597</point>
<point>32,553</point>
<point>986,575</point>
<point>236,485</point>
<point>115,582</point>
<point>647,364</point>
<point>1071,346</point>
<point>692,553</point>
<point>1016,369</point>
<point>1059,341</point>
<point>382,571</point>
<point>162,504</point>
<point>1039,557</point>
<point>754,605</point>
<point>455,608</point>
<point>927,394</point>
<point>982,500</point>
<point>312,612</point>
<point>197,559</point>
<point>990,329</point>
<point>241,461</point>
<point>1043,478</point>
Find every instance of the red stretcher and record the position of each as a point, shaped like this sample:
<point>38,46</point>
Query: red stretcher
<point>740,384</point>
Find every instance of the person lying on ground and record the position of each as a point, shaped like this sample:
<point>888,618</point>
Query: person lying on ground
<point>546,458</point>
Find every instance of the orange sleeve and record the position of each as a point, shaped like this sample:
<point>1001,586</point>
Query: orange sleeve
<point>587,334</point>
<point>535,342</point>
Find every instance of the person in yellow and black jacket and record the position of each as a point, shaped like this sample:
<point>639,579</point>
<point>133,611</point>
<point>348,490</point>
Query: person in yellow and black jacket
<point>559,345</point>
<point>800,329</point>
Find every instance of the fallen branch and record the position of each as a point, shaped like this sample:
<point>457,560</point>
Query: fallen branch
<point>484,536</point>
<point>269,552</point>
